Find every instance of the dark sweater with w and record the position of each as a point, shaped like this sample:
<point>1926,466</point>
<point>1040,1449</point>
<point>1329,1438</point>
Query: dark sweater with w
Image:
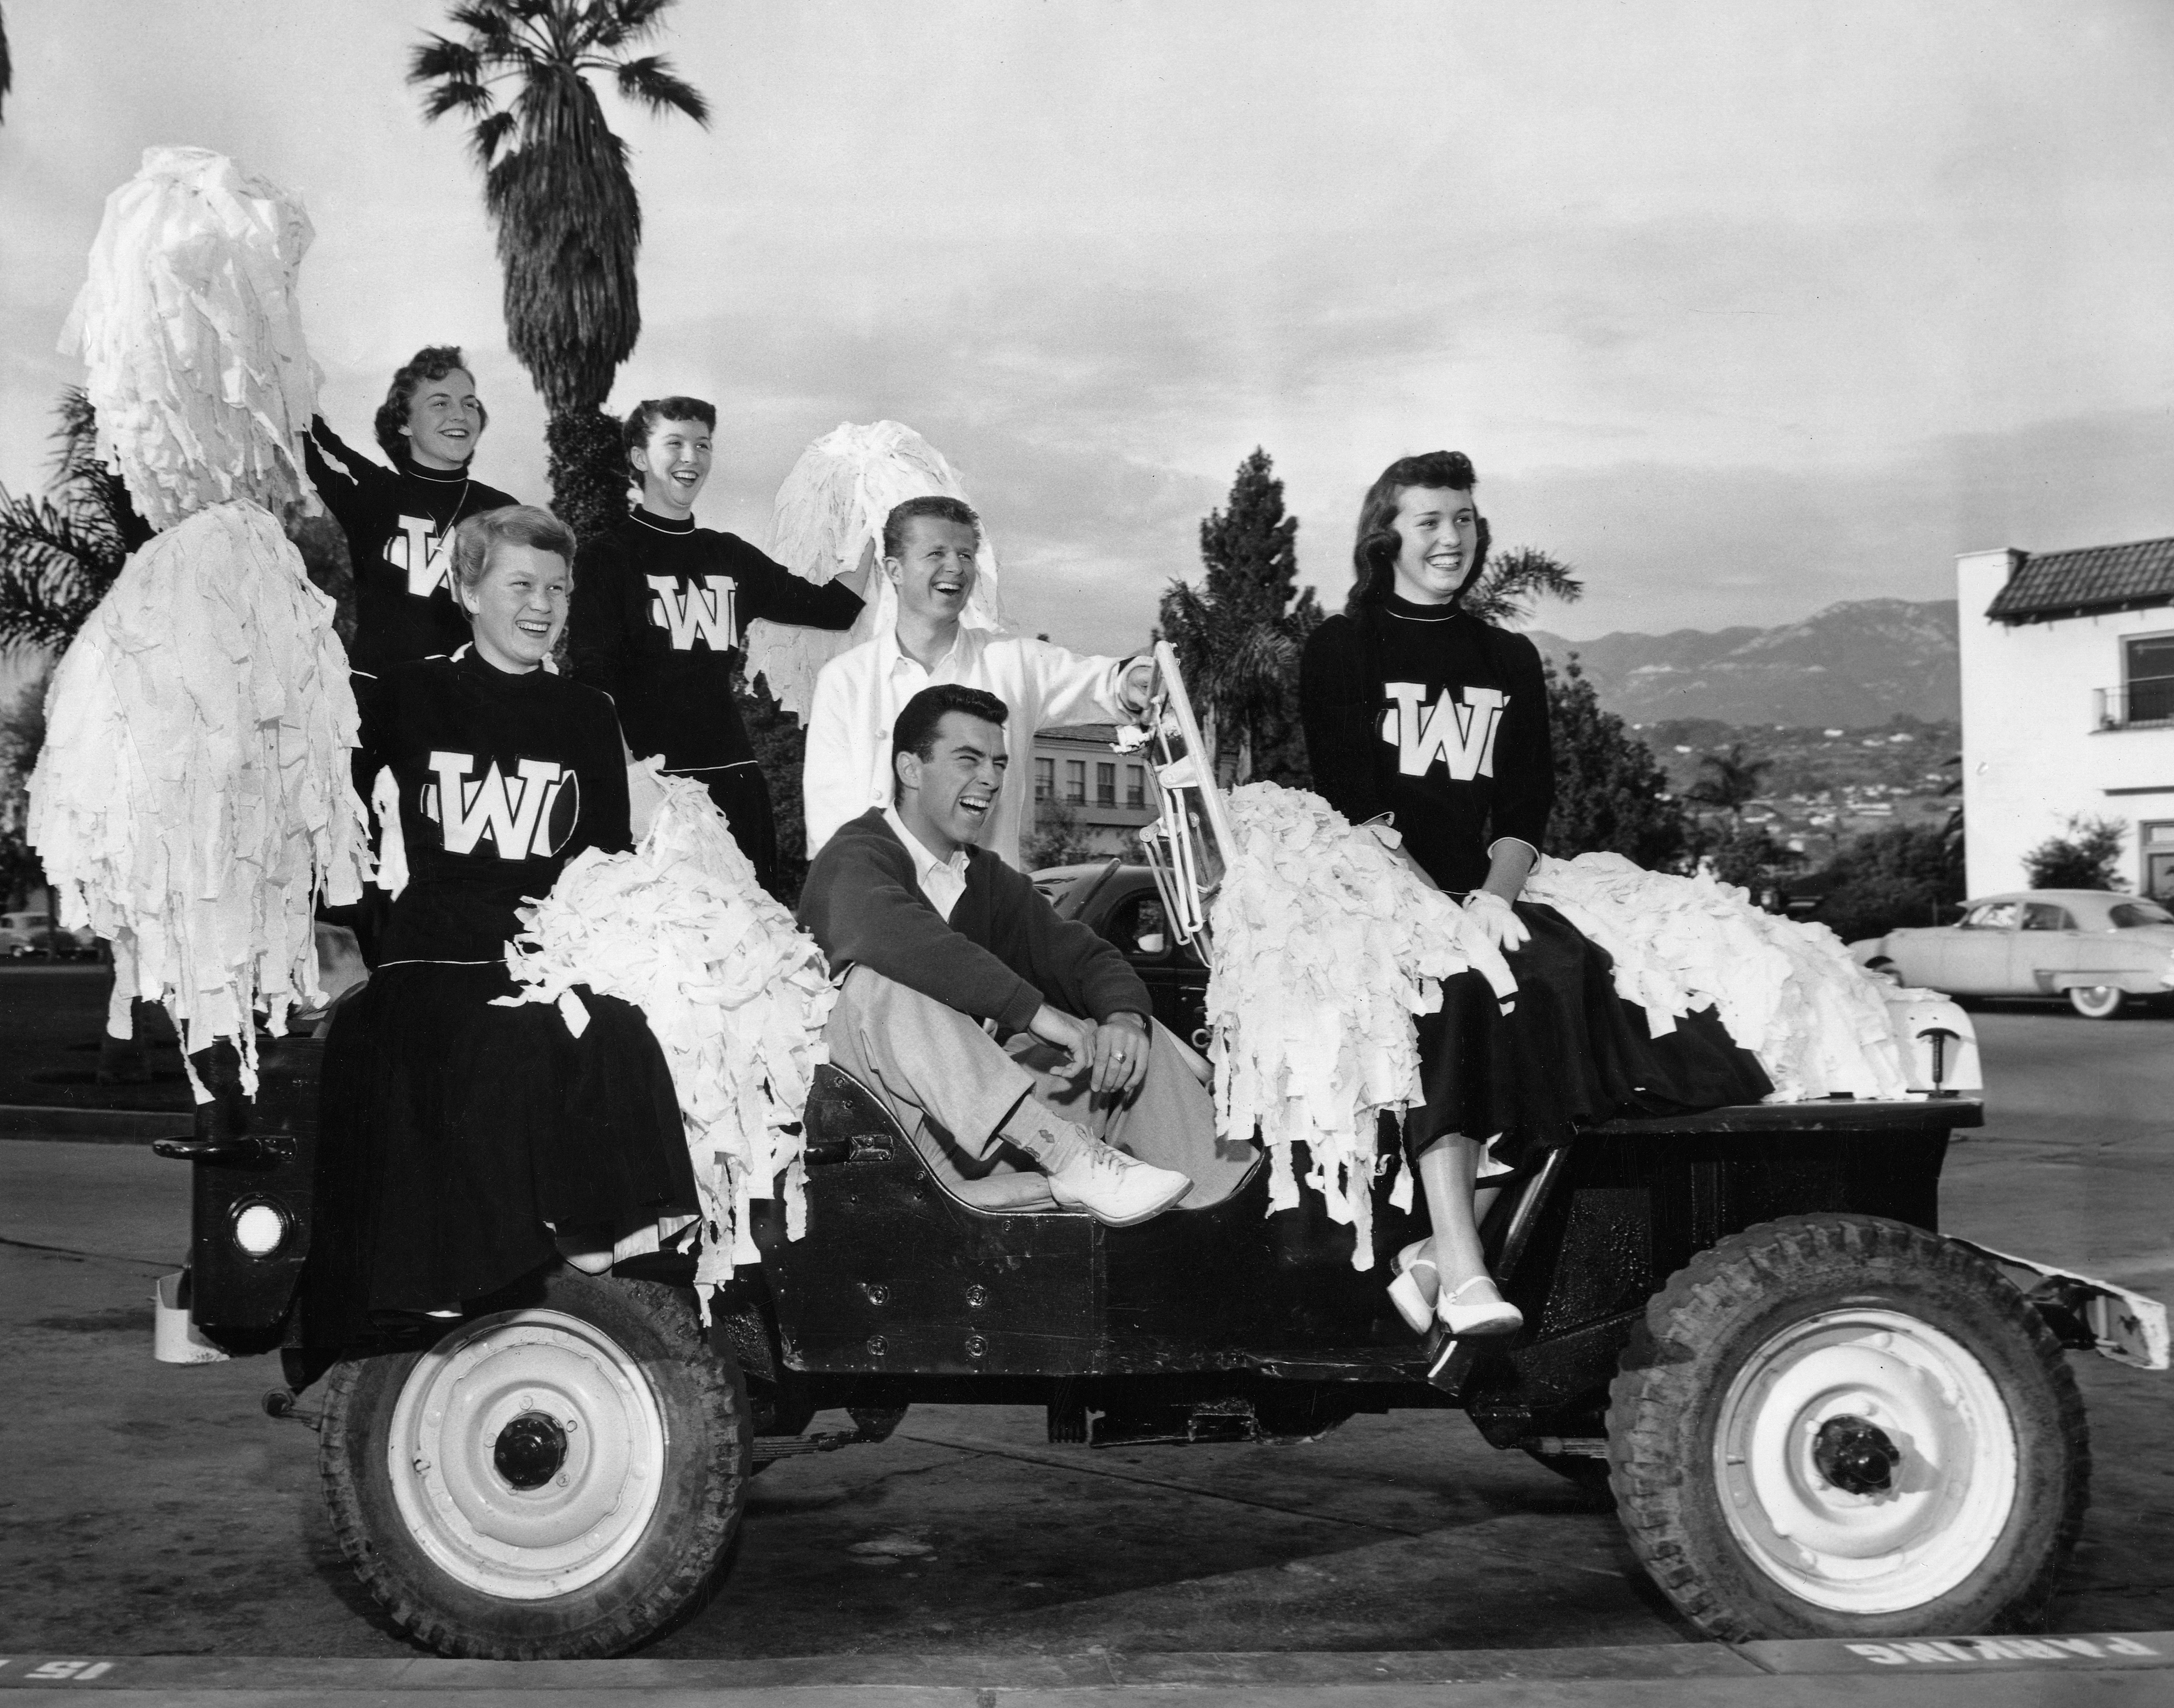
<point>1002,954</point>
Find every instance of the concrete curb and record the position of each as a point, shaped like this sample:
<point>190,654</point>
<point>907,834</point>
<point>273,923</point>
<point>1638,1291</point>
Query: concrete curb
<point>33,1120</point>
<point>1686,1671</point>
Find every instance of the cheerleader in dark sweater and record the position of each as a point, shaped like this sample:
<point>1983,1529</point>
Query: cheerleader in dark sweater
<point>462,1143</point>
<point>661,607</point>
<point>399,521</point>
<point>1421,718</point>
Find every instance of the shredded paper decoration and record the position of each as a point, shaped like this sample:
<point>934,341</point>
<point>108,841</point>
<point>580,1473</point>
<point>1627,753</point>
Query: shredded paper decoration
<point>736,993</point>
<point>193,796</point>
<point>1787,990</point>
<point>829,510</point>
<point>191,326</point>
<point>1327,948</point>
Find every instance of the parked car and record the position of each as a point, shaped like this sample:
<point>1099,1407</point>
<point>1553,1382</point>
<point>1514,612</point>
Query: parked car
<point>2096,946</point>
<point>1119,902</point>
<point>31,931</point>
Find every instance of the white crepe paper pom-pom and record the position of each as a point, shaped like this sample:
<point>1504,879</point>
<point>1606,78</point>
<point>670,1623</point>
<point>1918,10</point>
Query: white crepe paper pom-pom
<point>191,326</point>
<point>1786,990</point>
<point>735,992</point>
<point>830,510</point>
<point>194,795</point>
<point>1326,949</point>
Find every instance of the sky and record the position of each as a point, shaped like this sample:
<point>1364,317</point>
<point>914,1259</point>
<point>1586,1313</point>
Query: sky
<point>1740,308</point>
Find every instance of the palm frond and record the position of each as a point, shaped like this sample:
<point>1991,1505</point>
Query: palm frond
<point>652,82</point>
<point>490,136</point>
<point>1508,587</point>
<point>53,572</point>
<point>439,58</point>
<point>634,19</point>
<point>489,21</point>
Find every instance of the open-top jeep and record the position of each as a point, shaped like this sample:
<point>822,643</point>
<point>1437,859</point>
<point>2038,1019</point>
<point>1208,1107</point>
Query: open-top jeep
<point>1816,1414</point>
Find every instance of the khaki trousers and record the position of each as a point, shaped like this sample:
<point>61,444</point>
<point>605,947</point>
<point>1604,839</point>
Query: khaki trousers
<point>952,1087</point>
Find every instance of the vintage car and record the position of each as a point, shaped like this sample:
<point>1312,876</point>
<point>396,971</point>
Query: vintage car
<point>1816,1415</point>
<point>2098,948</point>
<point>1121,902</point>
<point>30,931</point>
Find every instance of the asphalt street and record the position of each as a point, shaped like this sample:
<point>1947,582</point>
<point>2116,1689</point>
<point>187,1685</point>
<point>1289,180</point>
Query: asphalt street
<point>152,1510</point>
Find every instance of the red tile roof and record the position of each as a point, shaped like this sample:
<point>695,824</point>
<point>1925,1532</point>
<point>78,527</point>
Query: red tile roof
<point>2093,578</point>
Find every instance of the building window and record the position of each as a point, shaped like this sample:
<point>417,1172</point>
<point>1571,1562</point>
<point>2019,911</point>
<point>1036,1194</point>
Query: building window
<point>2148,674</point>
<point>1045,779</point>
<point>1106,785</point>
<point>1136,790</point>
<point>1075,780</point>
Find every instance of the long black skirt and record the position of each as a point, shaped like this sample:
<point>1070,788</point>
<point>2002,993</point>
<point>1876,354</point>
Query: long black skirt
<point>1571,1053</point>
<point>452,1133</point>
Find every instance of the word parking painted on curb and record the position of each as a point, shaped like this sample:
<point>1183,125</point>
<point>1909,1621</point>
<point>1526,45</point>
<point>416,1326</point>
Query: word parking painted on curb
<point>2081,1652</point>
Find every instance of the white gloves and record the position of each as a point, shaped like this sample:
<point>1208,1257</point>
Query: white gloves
<point>1496,920</point>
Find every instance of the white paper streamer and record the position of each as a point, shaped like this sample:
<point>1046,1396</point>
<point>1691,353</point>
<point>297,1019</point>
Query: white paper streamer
<point>735,992</point>
<point>1326,949</point>
<point>1787,990</point>
<point>190,327</point>
<point>194,795</point>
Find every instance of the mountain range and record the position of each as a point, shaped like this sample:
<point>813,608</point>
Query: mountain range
<point>1856,664</point>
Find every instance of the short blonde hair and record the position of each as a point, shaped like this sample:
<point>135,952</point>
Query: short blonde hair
<point>513,524</point>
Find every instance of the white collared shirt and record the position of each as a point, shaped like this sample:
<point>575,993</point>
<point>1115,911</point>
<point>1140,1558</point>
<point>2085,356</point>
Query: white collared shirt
<point>861,692</point>
<point>942,881</point>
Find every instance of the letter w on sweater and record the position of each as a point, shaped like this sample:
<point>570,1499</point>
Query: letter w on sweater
<point>1461,736</point>
<point>516,817</point>
<point>702,611</point>
<point>421,554</point>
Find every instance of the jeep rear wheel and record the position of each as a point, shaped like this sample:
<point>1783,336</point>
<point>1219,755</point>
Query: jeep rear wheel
<point>554,1481</point>
<point>1836,1425</point>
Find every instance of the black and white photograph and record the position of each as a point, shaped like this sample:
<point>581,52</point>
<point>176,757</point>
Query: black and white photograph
<point>1087,852</point>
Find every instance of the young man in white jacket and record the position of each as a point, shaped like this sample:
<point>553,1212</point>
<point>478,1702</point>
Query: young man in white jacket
<point>930,546</point>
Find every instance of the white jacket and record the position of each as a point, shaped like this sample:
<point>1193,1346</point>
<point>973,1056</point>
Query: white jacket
<point>861,692</point>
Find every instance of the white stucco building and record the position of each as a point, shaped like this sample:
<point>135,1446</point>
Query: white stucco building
<point>2067,701</point>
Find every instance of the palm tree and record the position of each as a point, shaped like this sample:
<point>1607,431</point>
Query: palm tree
<point>1731,780</point>
<point>1237,669</point>
<point>558,192</point>
<point>1511,582</point>
<point>60,553</point>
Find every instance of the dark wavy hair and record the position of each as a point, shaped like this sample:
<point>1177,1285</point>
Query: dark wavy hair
<point>919,718</point>
<point>641,419</point>
<point>935,504</point>
<point>1374,556</point>
<point>431,362</point>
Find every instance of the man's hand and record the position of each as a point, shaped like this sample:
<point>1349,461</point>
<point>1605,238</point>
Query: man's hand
<point>1137,690</point>
<point>857,580</point>
<point>1075,1037</point>
<point>1121,1055</point>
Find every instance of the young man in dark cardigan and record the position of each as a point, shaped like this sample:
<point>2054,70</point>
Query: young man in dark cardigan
<point>934,937</point>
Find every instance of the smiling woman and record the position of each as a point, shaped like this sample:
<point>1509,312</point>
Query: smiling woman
<point>465,1141</point>
<point>399,522</point>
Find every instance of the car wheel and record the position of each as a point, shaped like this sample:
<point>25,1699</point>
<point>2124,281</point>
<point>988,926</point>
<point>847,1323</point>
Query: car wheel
<point>2096,1002</point>
<point>1842,1426</point>
<point>552,1482</point>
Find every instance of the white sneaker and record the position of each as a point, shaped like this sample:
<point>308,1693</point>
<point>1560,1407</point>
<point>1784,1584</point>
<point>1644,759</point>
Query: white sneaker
<point>1117,1189</point>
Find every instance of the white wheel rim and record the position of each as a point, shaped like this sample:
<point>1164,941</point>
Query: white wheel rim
<point>526,1543</point>
<point>1952,1487</point>
<point>2094,999</point>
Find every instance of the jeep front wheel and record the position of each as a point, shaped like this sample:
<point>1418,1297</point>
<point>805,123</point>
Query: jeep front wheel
<point>554,1481</point>
<point>1841,1426</point>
